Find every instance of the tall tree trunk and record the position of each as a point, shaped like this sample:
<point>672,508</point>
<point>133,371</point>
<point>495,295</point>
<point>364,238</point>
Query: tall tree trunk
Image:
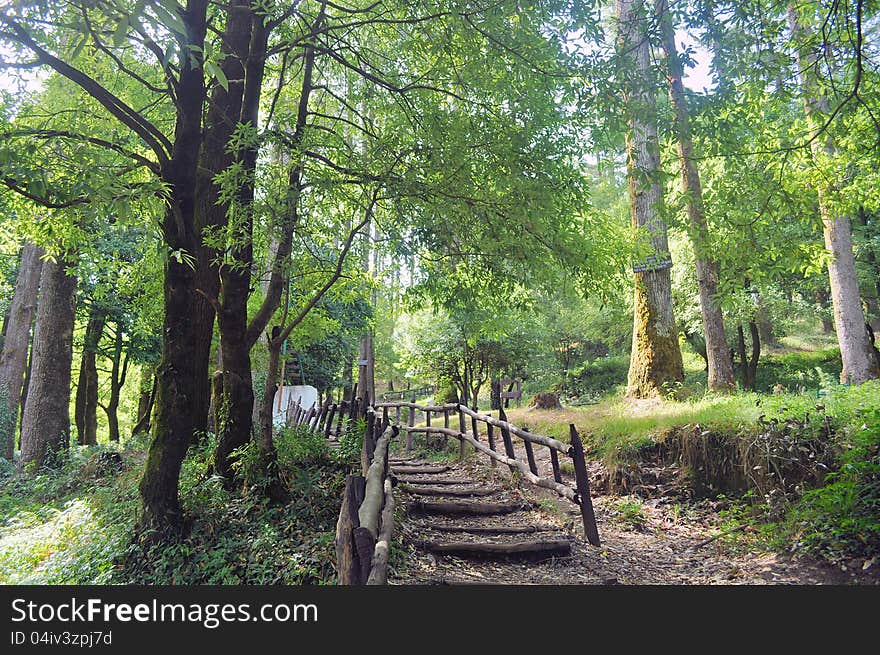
<point>146,401</point>
<point>859,363</point>
<point>822,298</point>
<point>179,371</point>
<point>86,401</point>
<point>765,325</point>
<point>720,376</point>
<point>347,382</point>
<point>221,119</point>
<point>275,488</point>
<point>873,297</point>
<point>45,427</point>
<point>118,373</point>
<point>655,359</point>
<point>13,359</point>
<point>756,352</point>
<point>234,430</point>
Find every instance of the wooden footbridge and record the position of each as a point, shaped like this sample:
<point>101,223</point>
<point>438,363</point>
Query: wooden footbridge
<point>473,513</point>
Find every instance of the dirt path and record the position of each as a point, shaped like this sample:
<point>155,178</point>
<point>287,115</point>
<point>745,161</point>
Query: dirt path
<point>643,542</point>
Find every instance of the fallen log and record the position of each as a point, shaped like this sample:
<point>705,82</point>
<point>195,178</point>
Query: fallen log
<point>446,491</point>
<point>536,547</point>
<point>463,507</point>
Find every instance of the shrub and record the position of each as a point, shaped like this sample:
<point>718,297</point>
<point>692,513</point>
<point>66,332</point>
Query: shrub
<point>598,377</point>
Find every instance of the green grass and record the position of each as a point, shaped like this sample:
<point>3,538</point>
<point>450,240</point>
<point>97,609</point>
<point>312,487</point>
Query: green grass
<point>838,519</point>
<point>65,527</point>
<point>68,527</point>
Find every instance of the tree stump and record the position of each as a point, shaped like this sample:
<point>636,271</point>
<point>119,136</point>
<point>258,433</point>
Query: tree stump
<point>546,400</point>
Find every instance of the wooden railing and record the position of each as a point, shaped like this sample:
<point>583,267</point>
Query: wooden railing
<point>412,394</point>
<point>321,419</point>
<point>528,469</point>
<point>366,519</point>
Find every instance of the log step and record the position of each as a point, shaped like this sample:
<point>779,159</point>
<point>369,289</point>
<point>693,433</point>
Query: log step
<point>532,547</point>
<point>419,469</point>
<point>463,507</point>
<point>498,529</point>
<point>432,481</point>
<point>445,491</point>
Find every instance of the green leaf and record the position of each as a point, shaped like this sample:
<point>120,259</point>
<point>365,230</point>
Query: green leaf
<point>121,31</point>
<point>215,71</point>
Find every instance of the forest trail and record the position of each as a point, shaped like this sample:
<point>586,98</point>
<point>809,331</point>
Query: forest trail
<point>443,534</point>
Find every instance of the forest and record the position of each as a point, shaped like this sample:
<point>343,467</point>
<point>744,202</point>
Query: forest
<point>651,223</point>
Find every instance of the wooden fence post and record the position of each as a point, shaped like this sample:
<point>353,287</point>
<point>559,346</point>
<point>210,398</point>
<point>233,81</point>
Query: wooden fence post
<point>367,446</point>
<point>508,443</point>
<point>428,424</point>
<point>341,420</point>
<point>462,445</point>
<point>554,460</point>
<point>328,421</point>
<point>530,453</point>
<point>490,435</point>
<point>591,531</point>
<point>348,565</point>
<point>412,422</point>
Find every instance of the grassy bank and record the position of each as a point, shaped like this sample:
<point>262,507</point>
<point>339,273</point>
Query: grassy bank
<point>803,464</point>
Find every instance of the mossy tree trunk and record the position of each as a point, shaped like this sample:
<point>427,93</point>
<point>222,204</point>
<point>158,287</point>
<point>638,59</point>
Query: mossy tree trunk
<point>178,408</point>
<point>45,426</point>
<point>720,367</point>
<point>13,359</point>
<point>246,43</point>
<point>221,119</point>
<point>655,360</point>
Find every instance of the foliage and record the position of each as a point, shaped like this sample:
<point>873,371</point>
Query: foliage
<point>596,378</point>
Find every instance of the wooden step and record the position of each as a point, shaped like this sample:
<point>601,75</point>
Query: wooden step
<point>463,507</point>
<point>419,469</point>
<point>432,481</point>
<point>483,529</point>
<point>560,547</point>
<point>446,491</point>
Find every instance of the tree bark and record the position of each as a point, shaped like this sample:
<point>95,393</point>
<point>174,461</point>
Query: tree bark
<point>873,297</point>
<point>13,359</point>
<point>118,373</point>
<point>86,401</point>
<point>276,490</point>
<point>859,363</point>
<point>178,407</point>
<point>655,359</point>
<point>146,401</point>
<point>221,119</point>
<point>45,427</point>
<point>720,377</point>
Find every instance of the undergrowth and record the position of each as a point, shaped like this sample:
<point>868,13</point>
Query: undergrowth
<point>75,525</point>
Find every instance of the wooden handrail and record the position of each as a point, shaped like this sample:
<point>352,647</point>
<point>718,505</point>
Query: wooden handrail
<point>550,442</point>
<point>528,470</point>
<point>561,489</point>
<point>366,518</point>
